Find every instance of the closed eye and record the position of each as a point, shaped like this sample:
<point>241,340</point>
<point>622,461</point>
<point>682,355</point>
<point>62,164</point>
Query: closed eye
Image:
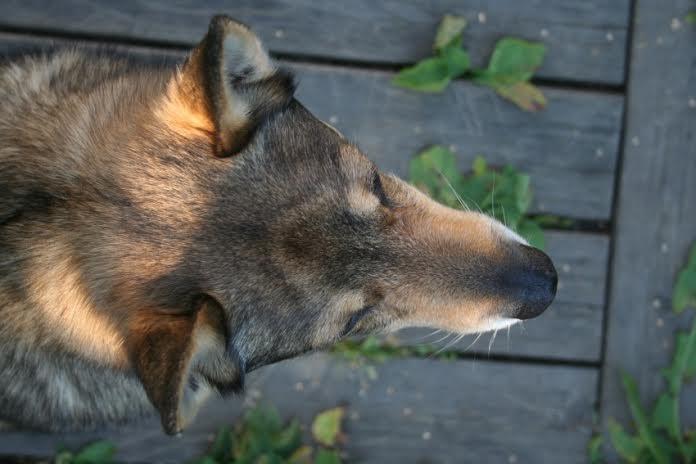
<point>378,190</point>
<point>354,319</point>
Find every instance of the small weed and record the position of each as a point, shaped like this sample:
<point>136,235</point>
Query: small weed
<point>260,438</point>
<point>504,194</point>
<point>374,350</point>
<point>509,70</point>
<point>100,452</point>
<point>659,436</point>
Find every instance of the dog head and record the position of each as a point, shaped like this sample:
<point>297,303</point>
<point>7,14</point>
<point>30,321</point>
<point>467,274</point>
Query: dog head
<point>281,237</point>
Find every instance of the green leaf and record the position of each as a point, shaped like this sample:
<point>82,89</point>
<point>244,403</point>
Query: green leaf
<point>479,166</point>
<point>532,232</point>
<point>691,17</point>
<point>512,64</point>
<point>326,427</point>
<point>221,449</point>
<point>429,75</point>
<point>449,32</point>
<point>428,169</point>
<point>302,455</point>
<point>264,418</point>
<point>457,60</point>
<point>690,448</point>
<point>641,421</point>
<point>522,192</point>
<point>206,460</point>
<point>288,440</point>
<point>63,457</point>
<point>435,73</point>
<point>99,452</point>
<point>627,446</point>
<point>327,457</point>
<point>269,458</point>
<point>513,61</point>
<point>684,294</point>
<point>683,365</point>
<point>594,450</point>
<point>664,416</point>
<point>523,94</point>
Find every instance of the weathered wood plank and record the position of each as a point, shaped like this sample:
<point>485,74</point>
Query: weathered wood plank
<point>586,38</point>
<point>571,329</point>
<point>569,149</point>
<point>416,411</point>
<point>655,223</point>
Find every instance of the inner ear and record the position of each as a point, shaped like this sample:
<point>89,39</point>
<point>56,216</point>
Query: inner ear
<point>182,358</point>
<point>230,79</point>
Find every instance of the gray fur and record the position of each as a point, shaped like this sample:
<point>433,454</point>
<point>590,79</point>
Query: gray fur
<point>128,244</point>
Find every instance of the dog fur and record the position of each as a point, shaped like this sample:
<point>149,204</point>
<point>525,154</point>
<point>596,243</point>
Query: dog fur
<point>164,230</point>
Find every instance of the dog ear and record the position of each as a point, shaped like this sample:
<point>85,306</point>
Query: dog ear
<point>230,84</point>
<point>182,358</point>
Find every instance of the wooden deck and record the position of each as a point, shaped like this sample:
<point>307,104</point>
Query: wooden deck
<point>615,149</point>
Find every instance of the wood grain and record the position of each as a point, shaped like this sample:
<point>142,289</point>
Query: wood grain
<point>655,223</point>
<point>415,411</point>
<point>586,39</point>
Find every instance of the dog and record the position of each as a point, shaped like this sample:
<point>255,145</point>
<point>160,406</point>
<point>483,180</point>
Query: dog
<point>166,229</point>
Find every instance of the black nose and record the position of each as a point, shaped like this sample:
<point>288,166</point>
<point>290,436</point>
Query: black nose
<point>533,283</point>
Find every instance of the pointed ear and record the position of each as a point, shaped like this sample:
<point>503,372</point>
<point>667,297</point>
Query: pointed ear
<point>182,358</point>
<point>228,83</point>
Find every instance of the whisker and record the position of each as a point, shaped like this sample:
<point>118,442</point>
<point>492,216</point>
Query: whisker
<point>474,342</point>
<point>424,337</point>
<point>453,342</point>
<point>508,337</point>
<point>442,339</point>
<point>524,329</point>
<point>490,343</point>
<point>459,197</point>
<point>465,207</point>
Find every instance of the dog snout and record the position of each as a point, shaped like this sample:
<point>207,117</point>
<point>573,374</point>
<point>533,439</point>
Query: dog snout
<point>532,283</point>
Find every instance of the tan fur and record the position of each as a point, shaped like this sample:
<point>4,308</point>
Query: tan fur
<point>176,112</point>
<point>165,230</point>
<point>65,306</point>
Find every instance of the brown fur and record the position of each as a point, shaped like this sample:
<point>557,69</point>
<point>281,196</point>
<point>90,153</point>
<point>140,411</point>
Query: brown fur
<point>165,230</point>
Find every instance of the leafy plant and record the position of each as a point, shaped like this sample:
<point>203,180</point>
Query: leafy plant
<point>511,66</point>
<point>372,349</point>
<point>504,194</point>
<point>685,288</point>
<point>326,428</point>
<point>691,17</point>
<point>450,60</point>
<point>260,438</point>
<point>594,450</point>
<point>659,436</point>
<point>100,452</point>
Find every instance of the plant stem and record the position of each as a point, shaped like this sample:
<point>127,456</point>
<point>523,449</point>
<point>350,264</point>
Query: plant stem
<point>681,369</point>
